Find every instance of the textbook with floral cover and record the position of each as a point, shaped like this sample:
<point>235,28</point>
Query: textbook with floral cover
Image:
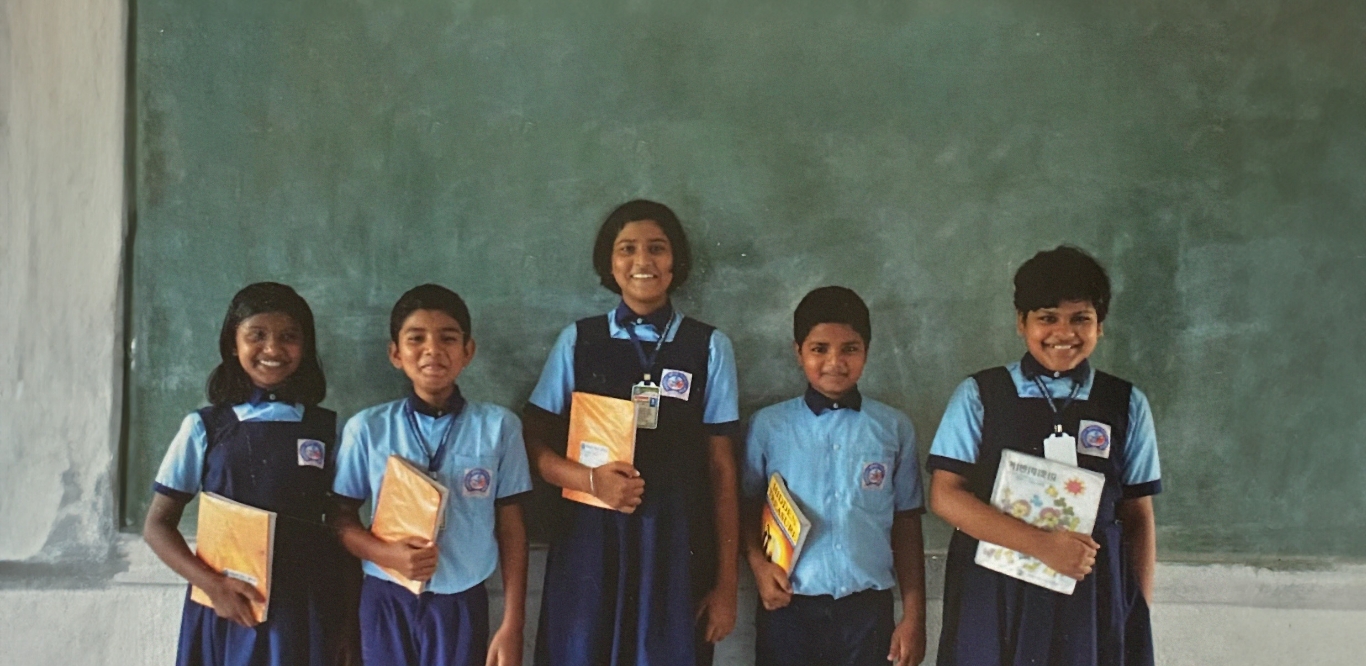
<point>601,430</point>
<point>1046,494</point>
<point>785,526</point>
<point>237,541</point>
<point>410,503</point>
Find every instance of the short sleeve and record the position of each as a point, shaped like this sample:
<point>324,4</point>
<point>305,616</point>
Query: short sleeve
<point>723,393</point>
<point>753,468</point>
<point>906,482</point>
<point>1142,471</point>
<point>183,466</point>
<point>353,462</point>
<point>514,473</point>
<point>557,377</point>
<point>959,437</point>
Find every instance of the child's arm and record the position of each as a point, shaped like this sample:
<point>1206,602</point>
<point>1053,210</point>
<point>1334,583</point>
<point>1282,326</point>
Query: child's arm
<point>231,598</point>
<point>616,483</point>
<point>1140,539</point>
<point>413,557</point>
<point>505,649</point>
<point>908,558</point>
<point>1069,553</point>
<point>719,606</point>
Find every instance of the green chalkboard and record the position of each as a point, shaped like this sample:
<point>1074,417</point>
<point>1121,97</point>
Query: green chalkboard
<point>1212,155</point>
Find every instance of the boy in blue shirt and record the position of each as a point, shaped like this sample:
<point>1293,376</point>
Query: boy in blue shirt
<point>850,463</point>
<point>474,449</point>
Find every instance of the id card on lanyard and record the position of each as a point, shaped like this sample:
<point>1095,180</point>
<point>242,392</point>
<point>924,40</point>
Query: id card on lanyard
<point>1058,445</point>
<point>645,393</point>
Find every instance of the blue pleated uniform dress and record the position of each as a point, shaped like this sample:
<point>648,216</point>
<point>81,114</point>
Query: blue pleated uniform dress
<point>270,464</point>
<point>991,619</point>
<point>622,589</point>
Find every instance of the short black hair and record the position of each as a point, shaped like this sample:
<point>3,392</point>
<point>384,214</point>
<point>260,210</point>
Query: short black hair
<point>831,305</point>
<point>636,211</point>
<point>429,297</point>
<point>229,384</point>
<point>1064,273</point>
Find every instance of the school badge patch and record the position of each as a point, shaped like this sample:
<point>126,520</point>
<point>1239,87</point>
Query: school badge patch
<point>675,384</point>
<point>311,453</point>
<point>1093,439</point>
<point>873,476</point>
<point>476,482</point>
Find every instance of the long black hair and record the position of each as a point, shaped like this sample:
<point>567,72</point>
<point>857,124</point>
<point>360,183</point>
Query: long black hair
<point>229,384</point>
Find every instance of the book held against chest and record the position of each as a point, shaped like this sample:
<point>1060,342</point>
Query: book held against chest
<point>1046,494</point>
<point>601,430</point>
<point>410,503</point>
<point>237,541</point>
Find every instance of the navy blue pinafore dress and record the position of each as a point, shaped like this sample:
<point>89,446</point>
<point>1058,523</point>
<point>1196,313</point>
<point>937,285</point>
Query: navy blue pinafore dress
<point>257,463</point>
<point>991,619</point>
<point>621,590</point>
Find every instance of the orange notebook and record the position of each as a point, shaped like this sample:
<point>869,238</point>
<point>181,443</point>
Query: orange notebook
<point>410,503</point>
<point>238,541</point>
<point>601,430</point>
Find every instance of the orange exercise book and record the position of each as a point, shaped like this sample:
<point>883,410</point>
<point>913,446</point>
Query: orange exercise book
<point>238,541</point>
<point>410,503</point>
<point>601,430</point>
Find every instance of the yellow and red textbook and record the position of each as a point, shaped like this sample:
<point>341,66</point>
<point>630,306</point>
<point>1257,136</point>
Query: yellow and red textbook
<point>785,526</point>
<point>410,503</point>
<point>237,541</point>
<point>601,430</point>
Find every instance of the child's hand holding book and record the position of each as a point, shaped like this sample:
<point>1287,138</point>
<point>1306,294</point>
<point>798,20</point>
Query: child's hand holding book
<point>618,485</point>
<point>1071,554</point>
<point>232,600</point>
<point>775,590</point>
<point>413,557</point>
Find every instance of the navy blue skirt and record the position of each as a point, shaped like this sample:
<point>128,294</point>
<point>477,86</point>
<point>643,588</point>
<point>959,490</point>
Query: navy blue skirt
<point>298,630</point>
<point>619,589</point>
<point>991,619</point>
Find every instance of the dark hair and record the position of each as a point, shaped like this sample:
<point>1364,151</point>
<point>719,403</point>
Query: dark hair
<point>1062,274</point>
<point>637,211</point>
<point>831,305</point>
<point>229,384</point>
<point>429,297</point>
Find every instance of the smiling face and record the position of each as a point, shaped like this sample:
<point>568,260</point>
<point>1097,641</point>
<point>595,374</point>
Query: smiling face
<point>832,357</point>
<point>642,264</point>
<point>270,347</point>
<point>1061,337</point>
<point>431,350</point>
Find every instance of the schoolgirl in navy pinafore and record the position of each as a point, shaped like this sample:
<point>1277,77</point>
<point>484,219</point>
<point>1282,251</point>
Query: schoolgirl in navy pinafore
<point>257,463</point>
<point>622,589</point>
<point>991,619</point>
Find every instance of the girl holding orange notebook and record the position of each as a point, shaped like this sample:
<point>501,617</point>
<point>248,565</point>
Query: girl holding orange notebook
<point>262,442</point>
<point>652,578</point>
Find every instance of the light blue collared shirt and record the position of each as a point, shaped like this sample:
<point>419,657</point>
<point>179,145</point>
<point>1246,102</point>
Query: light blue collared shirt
<point>850,471</point>
<point>553,390</point>
<point>182,468</point>
<point>960,432</point>
<point>484,460</point>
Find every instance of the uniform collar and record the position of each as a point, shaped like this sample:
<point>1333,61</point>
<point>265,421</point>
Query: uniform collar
<point>260,396</point>
<point>1032,368</point>
<point>454,404</point>
<point>659,319</point>
<point>818,403</point>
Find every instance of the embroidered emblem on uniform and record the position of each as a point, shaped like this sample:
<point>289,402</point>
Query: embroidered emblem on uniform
<point>874,474</point>
<point>311,453</point>
<point>1093,439</point>
<point>676,384</point>
<point>477,482</point>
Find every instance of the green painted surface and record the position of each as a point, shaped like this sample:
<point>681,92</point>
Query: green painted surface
<point>1212,156</point>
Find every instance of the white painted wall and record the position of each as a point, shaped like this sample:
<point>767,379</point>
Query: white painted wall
<point>73,591</point>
